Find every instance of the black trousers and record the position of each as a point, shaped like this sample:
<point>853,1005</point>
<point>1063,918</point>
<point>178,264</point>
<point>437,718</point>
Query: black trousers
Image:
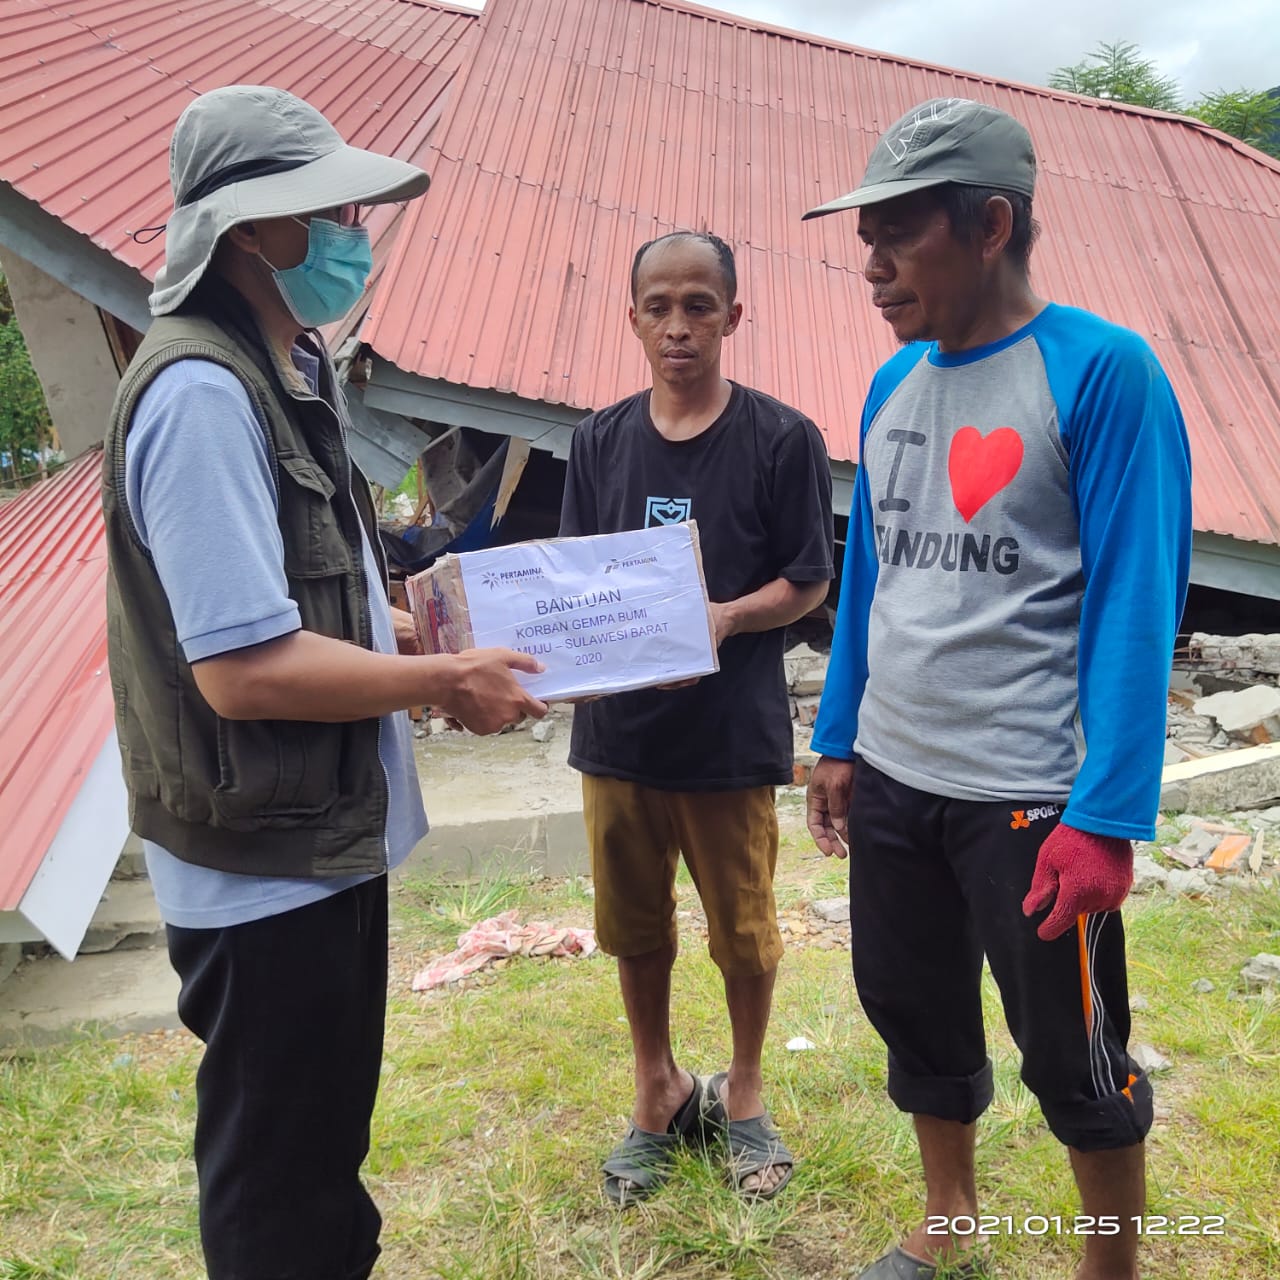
<point>291,1012</point>
<point>934,884</point>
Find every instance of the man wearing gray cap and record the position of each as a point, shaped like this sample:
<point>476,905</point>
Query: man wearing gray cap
<point>992,729</point>
<point>260,675</point>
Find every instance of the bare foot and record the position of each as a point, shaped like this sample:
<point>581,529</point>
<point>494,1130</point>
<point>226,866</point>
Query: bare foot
<point>938,1248</point>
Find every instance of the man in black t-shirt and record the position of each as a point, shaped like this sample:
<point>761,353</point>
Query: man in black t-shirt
<point>692,769</point>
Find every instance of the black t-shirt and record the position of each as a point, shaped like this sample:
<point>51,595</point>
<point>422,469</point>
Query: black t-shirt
<point>758,483</point>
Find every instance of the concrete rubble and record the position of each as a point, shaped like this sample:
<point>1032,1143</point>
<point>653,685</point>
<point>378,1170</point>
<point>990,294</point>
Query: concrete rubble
<point>1149,1059</point>
<point>806,672</point>
<point>1224,693</point>
<point>832,910</point>
<point>1251,654</point>
<point>1247,715</point>
<point>1192,734</point>
<point>805,711</point>
<point>1211,857</point>
<point>1262,971</point>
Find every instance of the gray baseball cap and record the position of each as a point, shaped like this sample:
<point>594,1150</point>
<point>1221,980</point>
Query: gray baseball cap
<point>944,140</point>
<point>245,152</point>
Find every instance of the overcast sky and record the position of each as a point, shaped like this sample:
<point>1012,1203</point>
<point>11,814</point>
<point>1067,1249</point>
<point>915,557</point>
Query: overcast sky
<point>1204,44</point>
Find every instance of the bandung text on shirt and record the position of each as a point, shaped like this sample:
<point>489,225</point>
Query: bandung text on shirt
<point>978,468</point>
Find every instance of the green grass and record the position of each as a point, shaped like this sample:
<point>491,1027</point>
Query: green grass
<point>500,1099</point>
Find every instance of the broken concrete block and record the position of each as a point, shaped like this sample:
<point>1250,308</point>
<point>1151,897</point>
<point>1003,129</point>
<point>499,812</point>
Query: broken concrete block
<point>1246,712</point>
<point>1196,847</point>
<point>1174,754</point>
<point>1183,723</point>
<point>832,910</point>
<point>544,730</point>
<point>807,711</point>
<point>1247,778</point>
<point>1149,1059</point>
<point>127,917</point>
<point>806,670</point>
<point>1202,986</point>
<point>1148,874</point>
<point>1262,971</point>
<point>1197,883</point>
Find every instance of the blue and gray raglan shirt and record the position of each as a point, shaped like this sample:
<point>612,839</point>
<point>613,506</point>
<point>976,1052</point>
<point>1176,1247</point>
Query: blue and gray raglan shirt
<point>1015,571</point>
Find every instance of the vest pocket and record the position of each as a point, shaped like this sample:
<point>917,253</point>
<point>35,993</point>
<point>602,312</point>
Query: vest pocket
<point>314,544</point>
<point>277,773</point>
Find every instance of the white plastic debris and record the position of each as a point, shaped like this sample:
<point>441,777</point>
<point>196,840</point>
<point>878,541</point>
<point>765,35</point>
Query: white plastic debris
<point>798,1043</point>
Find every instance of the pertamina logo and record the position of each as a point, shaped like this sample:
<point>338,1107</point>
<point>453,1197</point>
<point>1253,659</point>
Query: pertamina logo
<point>633,562</point>
<point>495,578</point>
<point>1025,817</point>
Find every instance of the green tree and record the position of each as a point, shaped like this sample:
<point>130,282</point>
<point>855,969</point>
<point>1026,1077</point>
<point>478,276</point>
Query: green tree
<point>1119,73</point>
<point>24,418</point>
<point>1252,117</point>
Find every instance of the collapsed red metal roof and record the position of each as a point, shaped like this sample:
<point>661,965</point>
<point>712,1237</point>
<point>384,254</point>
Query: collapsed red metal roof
<point>90,91</point>
<point>585,127</point>
<point>54,686</point>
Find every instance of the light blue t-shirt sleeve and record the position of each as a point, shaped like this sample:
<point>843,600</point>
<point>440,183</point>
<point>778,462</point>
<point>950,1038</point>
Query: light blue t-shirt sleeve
<point>202,496</point>
<point>1130,470</point>
<point>836,727</point>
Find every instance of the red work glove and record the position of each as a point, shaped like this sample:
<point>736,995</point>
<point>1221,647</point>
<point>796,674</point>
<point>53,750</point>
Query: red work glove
<point>1086,873</point>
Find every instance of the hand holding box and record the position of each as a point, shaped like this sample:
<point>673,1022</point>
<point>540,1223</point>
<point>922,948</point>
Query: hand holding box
<point>604,614</point>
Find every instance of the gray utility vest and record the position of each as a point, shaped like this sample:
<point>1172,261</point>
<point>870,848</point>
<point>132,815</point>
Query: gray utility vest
<point>260,797</point>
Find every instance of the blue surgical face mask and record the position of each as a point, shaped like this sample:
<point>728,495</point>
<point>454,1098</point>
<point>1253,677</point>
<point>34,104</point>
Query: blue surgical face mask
<point>328,282</point>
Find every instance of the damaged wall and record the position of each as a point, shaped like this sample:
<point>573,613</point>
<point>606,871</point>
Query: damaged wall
<point>70,350</point>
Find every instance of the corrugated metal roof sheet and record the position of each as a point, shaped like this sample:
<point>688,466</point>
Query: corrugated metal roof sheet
<point>54,686</point>
<point>585,127</point>
<point>90,91</point>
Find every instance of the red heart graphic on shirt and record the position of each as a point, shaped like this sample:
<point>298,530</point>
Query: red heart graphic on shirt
<point>980,466</point>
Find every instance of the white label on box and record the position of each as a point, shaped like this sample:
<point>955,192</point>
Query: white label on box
<point>603,614</point>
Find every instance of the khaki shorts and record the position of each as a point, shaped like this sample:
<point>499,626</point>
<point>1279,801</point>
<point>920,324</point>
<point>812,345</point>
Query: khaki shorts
<point>730,844</point>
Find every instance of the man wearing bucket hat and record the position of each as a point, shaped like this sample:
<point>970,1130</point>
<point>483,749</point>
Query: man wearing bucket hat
<point>992,729</point>
<point>260,675</point>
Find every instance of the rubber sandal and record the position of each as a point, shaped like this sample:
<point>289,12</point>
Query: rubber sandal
<point>898,1264</point>
<point>755,1145</point>
<point>715,1119</point>
<point>639,1164</point>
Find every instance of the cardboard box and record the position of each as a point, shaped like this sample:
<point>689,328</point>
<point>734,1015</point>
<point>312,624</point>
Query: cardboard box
<point>603,614</point>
